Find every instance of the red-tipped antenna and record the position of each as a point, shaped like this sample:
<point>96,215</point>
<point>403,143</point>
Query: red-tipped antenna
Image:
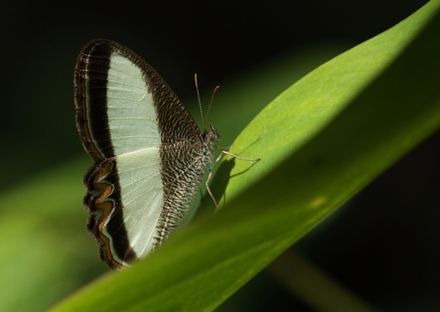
<point>212,97</point>
<point>200,101</point>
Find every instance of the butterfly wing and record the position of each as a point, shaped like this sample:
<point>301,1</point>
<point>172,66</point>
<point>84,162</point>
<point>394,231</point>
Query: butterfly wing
<point>148,151</point>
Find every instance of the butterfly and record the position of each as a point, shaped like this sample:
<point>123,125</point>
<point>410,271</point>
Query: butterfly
<point>149,155</point>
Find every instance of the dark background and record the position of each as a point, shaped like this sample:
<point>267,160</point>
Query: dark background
<point>383,245</point>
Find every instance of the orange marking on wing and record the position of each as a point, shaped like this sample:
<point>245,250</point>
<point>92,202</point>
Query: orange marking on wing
<point>107,189</point>
<point>107,208</point>
<point>108,252</point>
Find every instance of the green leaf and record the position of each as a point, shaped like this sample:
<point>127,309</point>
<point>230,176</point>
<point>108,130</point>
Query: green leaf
<point>320,142</point>
<point>302,111</point>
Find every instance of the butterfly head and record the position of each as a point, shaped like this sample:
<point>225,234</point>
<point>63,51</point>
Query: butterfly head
<point>211,135</point>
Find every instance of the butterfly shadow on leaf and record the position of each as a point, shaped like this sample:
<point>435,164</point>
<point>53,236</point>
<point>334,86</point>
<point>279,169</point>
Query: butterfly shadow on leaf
<point>218,186</point>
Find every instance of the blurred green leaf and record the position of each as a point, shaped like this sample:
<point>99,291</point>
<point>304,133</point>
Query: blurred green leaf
<point>42,249</point>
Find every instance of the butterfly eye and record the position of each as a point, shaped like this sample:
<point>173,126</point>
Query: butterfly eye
<point>215,131</point>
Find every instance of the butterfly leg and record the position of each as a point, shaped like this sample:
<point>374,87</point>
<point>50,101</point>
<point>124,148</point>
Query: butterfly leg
<point>210,172</point>
<point>209,190</point>
<point>230,154</point>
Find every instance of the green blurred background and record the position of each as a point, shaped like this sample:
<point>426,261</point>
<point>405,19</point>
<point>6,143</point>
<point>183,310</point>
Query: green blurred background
<point>383,245</point>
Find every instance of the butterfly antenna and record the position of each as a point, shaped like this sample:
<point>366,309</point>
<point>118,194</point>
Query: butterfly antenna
<point>200,101</point>
<point>212,97</point>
